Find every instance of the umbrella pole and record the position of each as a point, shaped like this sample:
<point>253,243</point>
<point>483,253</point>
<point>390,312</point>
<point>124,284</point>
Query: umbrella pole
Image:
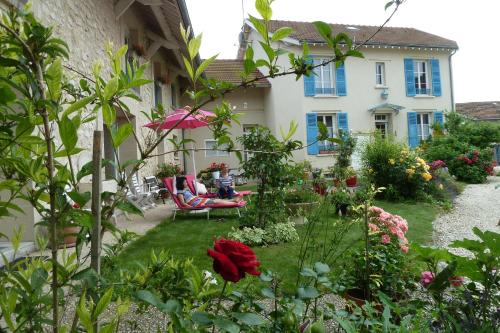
<point>194,170</point>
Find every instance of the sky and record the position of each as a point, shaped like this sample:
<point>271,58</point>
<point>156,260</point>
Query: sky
<point>474,25</point>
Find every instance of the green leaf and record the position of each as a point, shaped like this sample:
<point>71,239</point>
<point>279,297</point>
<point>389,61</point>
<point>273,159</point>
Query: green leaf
<point>78,105</point>
<point>248,66</point>
<point>321,268</point>
<point>129,207</point>
<point>264,9</point>
<point>324,29</point>
<point>110,88</point>
<point>250,319</point>
<point>189,68</point>
<point>308,273</point>
<point>268,292</point>
<point>80,198</point>
<point>203,66</point>
<point>6,95</point>
<point>259,26</point>
<point>194,46</point>
<point>202,318</point>
<point>226,325</point>
<point>108,114</point>
<point>84,314</point>
<point>269,51</point>
<point>68,133</point>
<point>307,292</point>
<point>103,303</point>
<point>53,78</point>
<point>389,4</point>
<point>281,33</point>
<point>249,52</point>
<point>120,135</point>
<point>38,278</point>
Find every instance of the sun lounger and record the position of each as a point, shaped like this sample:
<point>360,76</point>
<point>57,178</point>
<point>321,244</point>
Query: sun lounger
<point>169,184</point>
<point>191,181</point>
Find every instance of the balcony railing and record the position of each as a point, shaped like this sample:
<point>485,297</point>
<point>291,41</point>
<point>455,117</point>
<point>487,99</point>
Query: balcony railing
<point>327,147</point>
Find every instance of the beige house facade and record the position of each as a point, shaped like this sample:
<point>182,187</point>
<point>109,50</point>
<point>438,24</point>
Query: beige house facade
<point>401,87</point>
<point>151,29</point>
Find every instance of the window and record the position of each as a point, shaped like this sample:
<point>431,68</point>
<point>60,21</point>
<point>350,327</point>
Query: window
<point>158,93</point>
<point>421,74</point>
<point>210,145</point>
<point>323,81</point>
<point>246,130</point>
<point>173,96</point>
<point>326,147</point>
<point>382,124</point>
<point>130,61</point>
<point>380,74</point>
<point>423,126</point>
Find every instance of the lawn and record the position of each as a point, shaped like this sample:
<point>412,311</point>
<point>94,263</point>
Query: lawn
<point>190,237</point>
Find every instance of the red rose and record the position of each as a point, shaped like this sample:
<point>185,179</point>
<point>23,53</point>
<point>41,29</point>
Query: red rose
<point>233,259</point>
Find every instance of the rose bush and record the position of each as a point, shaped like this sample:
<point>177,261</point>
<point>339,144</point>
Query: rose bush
<point>473,167</point>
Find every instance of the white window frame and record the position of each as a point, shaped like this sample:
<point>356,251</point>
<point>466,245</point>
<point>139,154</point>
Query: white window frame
<point>417,72</point>
<point>386,121</point>
<point>320,85</point>
<point>216,153</point>
<point>246,129</point>
<point>380,74</point>
<point>333,131</point>
<point>422,136</point>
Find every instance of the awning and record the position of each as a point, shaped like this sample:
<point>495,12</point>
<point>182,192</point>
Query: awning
<point>387,107</point>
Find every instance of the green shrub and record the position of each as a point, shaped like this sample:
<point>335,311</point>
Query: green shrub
<point>390,164</point>
<point>273,234</point>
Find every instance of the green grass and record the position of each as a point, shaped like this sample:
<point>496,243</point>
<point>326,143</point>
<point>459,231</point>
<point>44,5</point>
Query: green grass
<point>190,236</point>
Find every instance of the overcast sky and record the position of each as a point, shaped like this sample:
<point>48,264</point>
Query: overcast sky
<point>475,25</point>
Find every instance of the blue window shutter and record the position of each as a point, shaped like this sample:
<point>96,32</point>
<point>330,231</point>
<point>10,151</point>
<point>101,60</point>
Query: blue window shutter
<point>409,77</point>
<point>309,84</point>
<point>340,81</point>
<point>439,118</point>
<point>342,122</point>
<point>412,130</point>
<point>436,78</point>
<point>312,133</point>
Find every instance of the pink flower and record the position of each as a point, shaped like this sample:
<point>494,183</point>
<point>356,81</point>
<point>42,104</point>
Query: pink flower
<point>385,239</point>
<point>400,234</point>
<point>373,227</point>
<point>376,210</point>
<point>394,230</point>
<point>426,278</point>
<point>456,281</point>
<point>384,216</point>
<point>404,248</point>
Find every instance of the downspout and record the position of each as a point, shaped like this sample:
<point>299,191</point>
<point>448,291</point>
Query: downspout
<point>451,80</point>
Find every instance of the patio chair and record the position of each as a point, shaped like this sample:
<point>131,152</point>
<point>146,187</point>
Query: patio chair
<point>169,184</point>
<point>138,196</point>
<point>192,181</point>
<point>153,187</point>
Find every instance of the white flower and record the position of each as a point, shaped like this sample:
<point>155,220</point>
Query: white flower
<point>209,277</point>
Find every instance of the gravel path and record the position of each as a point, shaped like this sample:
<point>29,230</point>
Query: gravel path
<point>478,206</point>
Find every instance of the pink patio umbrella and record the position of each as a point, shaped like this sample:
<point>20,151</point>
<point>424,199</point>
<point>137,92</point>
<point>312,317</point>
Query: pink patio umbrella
<point>199,118</point>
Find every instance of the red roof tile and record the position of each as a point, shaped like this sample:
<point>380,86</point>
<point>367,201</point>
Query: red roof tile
<point>229,70</point>
<point>480,110</point>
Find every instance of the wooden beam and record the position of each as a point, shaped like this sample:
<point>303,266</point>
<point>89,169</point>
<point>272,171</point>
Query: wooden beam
<point>151,2</point>
<point>153,48</point>
<point>168,44</point>
<point>121,7</point>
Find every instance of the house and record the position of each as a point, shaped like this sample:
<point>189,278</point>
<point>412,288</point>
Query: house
<point>401,87</point>
<point>151,30</point>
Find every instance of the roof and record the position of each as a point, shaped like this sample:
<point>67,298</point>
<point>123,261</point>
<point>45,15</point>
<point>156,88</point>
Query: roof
<point>386,106</point>
<point>229,70</point>
<point>480,110</point>
<point>391,36</point>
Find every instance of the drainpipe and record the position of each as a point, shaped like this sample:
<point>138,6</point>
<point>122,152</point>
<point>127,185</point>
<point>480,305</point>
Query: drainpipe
<point>451,80</point>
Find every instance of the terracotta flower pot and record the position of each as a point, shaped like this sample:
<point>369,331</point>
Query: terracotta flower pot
<point>351,181</point>
<point>67,236</point>
<point>357,296</point>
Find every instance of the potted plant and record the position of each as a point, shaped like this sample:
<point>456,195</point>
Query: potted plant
<point>351,177</point>
<point>215,169</point>
<point>381,264</point>
<point>320,185</point>
<point>300,201</point>
<point>166,170</point>
<point>341,198</point>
